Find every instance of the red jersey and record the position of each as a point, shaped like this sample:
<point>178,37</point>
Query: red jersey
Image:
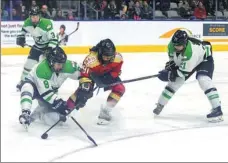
<point>92,64</point>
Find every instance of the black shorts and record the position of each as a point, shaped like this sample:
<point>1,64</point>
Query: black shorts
<point>205,68</point>
<point>35,53</point>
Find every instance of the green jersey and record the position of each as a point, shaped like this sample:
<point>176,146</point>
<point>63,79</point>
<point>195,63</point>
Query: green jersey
<point>43,33</point>
<point>48,82</point>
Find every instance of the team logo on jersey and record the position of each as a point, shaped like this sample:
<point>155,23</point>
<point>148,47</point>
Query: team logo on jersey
<point>49,26</point>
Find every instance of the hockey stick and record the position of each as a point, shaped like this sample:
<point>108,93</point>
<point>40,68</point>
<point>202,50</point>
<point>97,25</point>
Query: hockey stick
<point>58,41</point>
<point>88,136</point>
<point>33,47</point>
<point>45,134</point>
<point>101,85</point>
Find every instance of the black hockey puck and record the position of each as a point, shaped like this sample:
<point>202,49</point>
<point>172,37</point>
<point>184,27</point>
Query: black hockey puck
<point>44,136</point>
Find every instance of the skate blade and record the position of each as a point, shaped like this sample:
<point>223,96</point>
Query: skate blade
<point>103,122</point>
<point>25,126</point>
<point>216,119</point>
<point>156,116</point>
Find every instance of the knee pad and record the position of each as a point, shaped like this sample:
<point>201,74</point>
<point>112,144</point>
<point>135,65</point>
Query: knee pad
<point>119,89</point>
<point>177,84</point>
<point>205,82</point>
<point>27,88</point>
<point>27,93</point>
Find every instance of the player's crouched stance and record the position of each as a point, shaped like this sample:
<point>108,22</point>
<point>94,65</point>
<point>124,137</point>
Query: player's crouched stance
<point>188,55</point>
<point>42,83</point>
<point>101,66</point>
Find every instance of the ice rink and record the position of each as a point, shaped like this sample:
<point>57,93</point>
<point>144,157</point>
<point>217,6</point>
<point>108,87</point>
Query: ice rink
<point>180,133</point>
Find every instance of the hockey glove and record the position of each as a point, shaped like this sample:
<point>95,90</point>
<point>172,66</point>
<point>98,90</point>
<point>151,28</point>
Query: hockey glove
<point>84,93</point>
<point>24,118</point>
<point>108,79</point>
<point>61,107</point>
<point>170,65</point>
<point>166,75</point>
<point>20,40</point>
<point>66,38</point>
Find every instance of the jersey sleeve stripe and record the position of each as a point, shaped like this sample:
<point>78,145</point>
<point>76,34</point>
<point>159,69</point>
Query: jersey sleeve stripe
<point>24,30</point>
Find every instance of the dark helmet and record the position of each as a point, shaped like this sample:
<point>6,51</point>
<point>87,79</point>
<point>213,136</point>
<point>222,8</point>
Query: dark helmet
<point>180,38</point>
<point>34,11</point>
<point>57,56</point>
<point>106,48</point>
<point>63,26</point>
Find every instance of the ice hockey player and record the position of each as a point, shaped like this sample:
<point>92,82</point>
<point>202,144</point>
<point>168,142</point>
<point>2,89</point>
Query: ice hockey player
<point>186,56</point>
<point>42,83</point>
<point>44,36</point>
<point>102,65</point>
<point>62,35</point>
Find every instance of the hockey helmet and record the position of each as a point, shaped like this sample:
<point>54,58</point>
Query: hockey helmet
<point>57,57</point>
<point>180,37</point>
<point>106,50</point>
<point>34,12</point>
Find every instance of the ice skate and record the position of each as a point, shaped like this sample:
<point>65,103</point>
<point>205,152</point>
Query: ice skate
<point>104,117</point>
<point>215,115</point>
<point>158,109</point>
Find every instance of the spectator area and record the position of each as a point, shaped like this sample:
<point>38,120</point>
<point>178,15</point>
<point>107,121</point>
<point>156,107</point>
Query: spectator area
<point>117,9</point>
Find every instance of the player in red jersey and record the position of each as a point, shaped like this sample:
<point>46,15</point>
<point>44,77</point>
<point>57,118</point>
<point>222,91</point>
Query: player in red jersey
<point>102,65</point>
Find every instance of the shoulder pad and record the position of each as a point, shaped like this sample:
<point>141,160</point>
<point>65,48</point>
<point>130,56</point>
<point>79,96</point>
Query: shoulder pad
<point>70,67</point>
<point>27,22</point>
<point>46,24</point>
<point>91,60</point>
<point>43,70</point>
<point>170,49</point>
<point>118,58</point>
<point>188,51</point>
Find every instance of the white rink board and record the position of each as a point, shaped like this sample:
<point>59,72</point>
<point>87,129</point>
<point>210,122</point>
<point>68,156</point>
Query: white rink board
<point>121,32</point>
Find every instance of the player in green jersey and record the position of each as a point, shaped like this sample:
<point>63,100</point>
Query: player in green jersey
<point>44,36</point>
<point>188,55</point>
<point>42,83</point>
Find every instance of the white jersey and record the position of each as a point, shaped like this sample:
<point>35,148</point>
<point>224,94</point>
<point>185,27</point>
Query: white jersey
<point>193,55</point>
<point>43,33</point>
<point>61,37</point>
<point>47,82</point>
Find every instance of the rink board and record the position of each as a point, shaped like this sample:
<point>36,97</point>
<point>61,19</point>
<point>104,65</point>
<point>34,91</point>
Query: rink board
<point>128,36</point>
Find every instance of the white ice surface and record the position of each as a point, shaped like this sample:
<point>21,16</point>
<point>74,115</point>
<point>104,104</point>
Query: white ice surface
<point>180,133</point>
